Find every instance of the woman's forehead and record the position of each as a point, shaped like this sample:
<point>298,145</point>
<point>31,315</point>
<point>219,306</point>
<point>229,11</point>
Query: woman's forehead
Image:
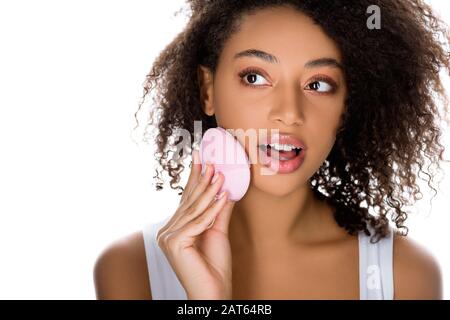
<point>287,34</point>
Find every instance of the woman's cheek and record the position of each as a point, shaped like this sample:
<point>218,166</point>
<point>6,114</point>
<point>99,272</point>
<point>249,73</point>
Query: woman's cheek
<point>236,116</point>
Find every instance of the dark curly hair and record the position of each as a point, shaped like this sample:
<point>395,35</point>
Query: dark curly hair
<point>390,123</point>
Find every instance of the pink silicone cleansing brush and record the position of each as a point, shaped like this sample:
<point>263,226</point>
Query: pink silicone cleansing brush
<point>227,154</point>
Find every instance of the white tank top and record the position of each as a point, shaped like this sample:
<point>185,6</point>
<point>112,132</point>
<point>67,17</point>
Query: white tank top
<point>376,280</point>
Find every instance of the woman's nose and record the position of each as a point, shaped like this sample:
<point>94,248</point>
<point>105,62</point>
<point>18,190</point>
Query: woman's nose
<point>289,110</point>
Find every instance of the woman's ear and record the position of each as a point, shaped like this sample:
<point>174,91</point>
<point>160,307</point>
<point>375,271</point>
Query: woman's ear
<point>205,79</point>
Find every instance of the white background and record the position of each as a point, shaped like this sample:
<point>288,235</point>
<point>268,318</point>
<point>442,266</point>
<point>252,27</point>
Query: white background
<point>73,175</point>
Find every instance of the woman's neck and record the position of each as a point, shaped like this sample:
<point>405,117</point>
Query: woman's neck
<point>261,221</point>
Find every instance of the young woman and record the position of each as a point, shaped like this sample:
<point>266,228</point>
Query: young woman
<point>361,100</point>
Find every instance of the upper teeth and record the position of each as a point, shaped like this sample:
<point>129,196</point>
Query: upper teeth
<point>283,147</point>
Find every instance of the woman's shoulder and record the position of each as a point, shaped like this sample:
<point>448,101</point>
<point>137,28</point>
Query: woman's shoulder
<point>417,273</point>
<point>120,271</point>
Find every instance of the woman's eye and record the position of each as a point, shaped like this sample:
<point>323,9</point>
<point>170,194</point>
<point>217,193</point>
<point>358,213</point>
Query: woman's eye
<point>320,86</point>
<point>251,78</point>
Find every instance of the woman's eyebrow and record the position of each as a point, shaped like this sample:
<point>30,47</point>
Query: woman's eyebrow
<point>329,62</point>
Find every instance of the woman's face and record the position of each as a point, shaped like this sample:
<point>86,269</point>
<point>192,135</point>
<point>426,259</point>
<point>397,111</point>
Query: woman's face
<point>289,92</point>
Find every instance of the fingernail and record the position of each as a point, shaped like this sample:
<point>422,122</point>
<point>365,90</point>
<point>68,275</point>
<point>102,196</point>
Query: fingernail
<point>215,177</point>
<point>196,156</point>
<point>205,168</point>
<point>209,166</point>
<point>221,195</point>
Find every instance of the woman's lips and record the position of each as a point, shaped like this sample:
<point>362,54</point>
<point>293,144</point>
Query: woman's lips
<point>281,161</point>
<point>283,138</point>
<point>282,155</point>
<point>278,163</point>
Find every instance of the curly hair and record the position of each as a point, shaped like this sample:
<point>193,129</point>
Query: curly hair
<point>390,124</point>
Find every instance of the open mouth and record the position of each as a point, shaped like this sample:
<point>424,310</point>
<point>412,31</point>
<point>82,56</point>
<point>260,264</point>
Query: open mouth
<point>284,154</point>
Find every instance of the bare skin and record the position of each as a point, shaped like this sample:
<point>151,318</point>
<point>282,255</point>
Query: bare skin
<point>285,243</point>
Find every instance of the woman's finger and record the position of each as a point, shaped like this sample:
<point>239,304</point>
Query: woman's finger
<point>186,234</point>
<point>201,185</point>
<point>200,206</point>
<point>194,176</point>
<point>204,182</point>
<point>222,220</point>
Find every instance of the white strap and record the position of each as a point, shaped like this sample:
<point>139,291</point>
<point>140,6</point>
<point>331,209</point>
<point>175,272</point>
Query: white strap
<point>376,278</point>
<point>164,283</point>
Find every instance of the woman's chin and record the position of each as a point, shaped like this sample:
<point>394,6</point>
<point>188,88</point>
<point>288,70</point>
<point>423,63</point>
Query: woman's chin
<point>274,184</point>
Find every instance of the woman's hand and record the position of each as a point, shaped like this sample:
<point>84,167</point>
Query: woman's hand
<point>195,239</point>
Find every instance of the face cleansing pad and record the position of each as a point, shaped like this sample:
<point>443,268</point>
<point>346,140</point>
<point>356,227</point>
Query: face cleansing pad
<point>228,156</point>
